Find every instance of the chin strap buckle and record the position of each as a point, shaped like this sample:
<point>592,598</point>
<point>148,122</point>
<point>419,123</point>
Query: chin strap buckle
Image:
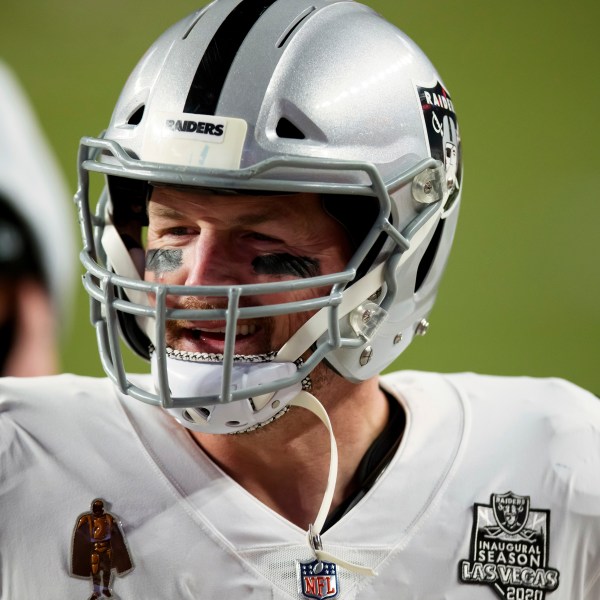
<point>314,540</point>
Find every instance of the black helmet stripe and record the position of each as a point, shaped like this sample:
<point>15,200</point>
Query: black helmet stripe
<point>209,79</point>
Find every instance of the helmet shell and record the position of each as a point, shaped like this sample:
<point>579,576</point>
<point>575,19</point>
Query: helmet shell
<point>334,84</point>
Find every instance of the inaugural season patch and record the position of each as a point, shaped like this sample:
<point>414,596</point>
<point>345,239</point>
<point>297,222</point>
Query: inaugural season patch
<point>509,549</point>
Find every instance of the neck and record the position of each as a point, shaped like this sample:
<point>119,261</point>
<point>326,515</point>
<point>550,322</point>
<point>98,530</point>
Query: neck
<point>285,465</point>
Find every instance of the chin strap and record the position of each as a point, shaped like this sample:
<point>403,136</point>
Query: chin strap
<point>123,264</point>
<point>309,402</point>
<point>318,324</point>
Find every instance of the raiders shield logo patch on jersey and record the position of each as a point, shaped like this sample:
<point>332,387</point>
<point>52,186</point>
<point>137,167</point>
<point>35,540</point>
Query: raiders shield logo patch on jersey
<point>317,580</point>
<point>509,549</point>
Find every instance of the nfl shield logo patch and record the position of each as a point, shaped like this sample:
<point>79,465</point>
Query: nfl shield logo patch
<point>317,580</point>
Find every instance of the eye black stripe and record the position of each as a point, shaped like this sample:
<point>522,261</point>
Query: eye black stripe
<point>209,79</point>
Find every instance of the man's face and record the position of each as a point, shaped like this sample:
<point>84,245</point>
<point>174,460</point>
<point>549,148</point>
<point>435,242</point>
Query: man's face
<point>203,239</point>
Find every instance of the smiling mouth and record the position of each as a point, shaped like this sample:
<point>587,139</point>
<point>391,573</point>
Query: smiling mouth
<point>196,336</point>
<point>218,333</point>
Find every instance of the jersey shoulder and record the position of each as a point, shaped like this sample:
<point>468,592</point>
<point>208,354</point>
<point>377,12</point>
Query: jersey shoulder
<point>45,392</point>
<point>549,395</point>
<point>46,410</point>
<point>540,433</point>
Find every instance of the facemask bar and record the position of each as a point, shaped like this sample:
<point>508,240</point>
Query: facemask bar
<point>100,282</point>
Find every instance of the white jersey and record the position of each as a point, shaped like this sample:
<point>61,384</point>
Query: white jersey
<point>494,492</point>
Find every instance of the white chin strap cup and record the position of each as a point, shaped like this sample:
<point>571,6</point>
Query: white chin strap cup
<point>190,379</point>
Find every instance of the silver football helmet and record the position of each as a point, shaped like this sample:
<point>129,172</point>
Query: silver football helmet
<point>275,96</point>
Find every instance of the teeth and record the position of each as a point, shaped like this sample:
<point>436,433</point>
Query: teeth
<point>245,329</point>
<point>239,330</point>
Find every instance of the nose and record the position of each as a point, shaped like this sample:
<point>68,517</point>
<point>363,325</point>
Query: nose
<point>213,261</point>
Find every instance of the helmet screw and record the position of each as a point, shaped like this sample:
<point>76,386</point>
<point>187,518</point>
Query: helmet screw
<point>397,338</point>
<point>367,315</point>
<point>422,327</point>
<point>366,355</point>
<point>427,187</point>
<point>375,295</point>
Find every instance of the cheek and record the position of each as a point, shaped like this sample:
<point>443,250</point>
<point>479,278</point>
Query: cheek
<point>165,265</point>
<point>164,260</point>
<point>287,324</point>
<point>286,264</point>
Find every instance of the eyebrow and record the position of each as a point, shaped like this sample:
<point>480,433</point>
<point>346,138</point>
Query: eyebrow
<point>158,210</point>
<point>245,220</point>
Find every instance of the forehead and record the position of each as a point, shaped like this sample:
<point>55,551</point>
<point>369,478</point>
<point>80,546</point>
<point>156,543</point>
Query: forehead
<point>234,209</point>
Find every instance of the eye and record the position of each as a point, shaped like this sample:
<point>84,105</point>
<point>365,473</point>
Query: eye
<point>179,231</point>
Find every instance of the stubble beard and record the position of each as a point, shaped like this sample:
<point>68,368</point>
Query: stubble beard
<point>323,379</point>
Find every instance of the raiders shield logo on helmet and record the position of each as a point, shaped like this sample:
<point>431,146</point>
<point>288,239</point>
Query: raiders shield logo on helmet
<point>442,135</point>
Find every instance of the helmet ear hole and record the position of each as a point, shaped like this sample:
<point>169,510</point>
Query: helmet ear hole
<point>429,256</point>
<point>286,129</point>
<point>136,116</point>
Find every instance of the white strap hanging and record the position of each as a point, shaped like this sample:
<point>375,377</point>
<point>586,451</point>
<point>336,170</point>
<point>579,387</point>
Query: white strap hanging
<point>309,402</point>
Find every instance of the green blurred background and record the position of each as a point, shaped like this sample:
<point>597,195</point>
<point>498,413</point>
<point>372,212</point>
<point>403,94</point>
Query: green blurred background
<point>521,293</point>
